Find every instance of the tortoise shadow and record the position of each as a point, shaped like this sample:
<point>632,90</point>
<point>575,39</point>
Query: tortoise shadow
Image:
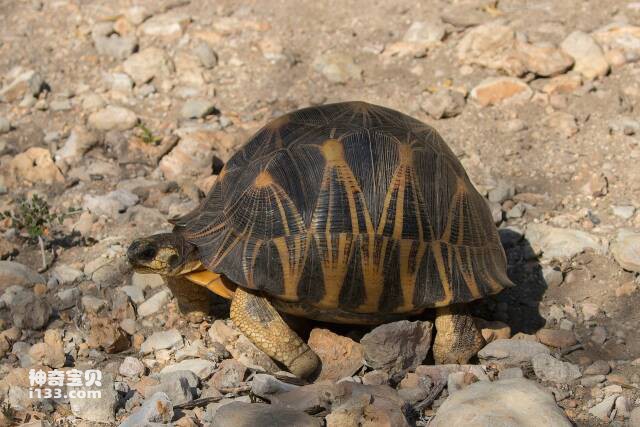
<point>518,307</point>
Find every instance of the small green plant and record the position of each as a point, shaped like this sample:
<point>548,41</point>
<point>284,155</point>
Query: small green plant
<point>145,134</point>
<point>35,218</point>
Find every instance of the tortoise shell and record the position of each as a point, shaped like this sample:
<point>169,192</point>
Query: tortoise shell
<point>349,206</point>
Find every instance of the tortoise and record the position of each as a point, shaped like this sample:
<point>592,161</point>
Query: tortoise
<point>347,213</point>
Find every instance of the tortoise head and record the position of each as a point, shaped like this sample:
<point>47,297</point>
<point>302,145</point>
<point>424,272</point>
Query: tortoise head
<point>167,254</point>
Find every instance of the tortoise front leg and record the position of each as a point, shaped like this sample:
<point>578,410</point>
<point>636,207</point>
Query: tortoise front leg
<point>458,338</point>
<point>262,324</point>
<point>194,301</point>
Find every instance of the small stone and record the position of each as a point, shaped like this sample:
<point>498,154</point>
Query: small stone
<point>5,125</point>
<point>148,64</point>
<point>624,126</point>
<point>561,243</point>
<point>113,118</point>
<point>264,385</point>
<point>170,24</point>
<point>191,351</point>
<point>35,165</point>
<point>443,104</point>
<point>192,157</point>
<point>23,83</point>
<point>154,304</point>
<point>556,338</point>
<point>96,410</point>
<point>197,108</point>
<point>206,55</point>
<point>50,352</point>
<point>337,67</point>
<point>626,250</point>
<point>106,335</point>
<point>68,298</point>
<point>375,378</point>
<point>114,46</point>
<point>562,122</point>
<point>517,211</point>
<point>171,339</point>
<point>599,367</point>
<point>272,49</point>
<point>137,14</point>
<point>15,274</point>
<point>457,381</point>
<point>510,373</point>
<point>589,311</point>
<point>93,304</point>
<point>179,386</point>
<point>201,367</point>
<point>596,185</point>
<point>131,367</point>
<point>230,375</point>
<point>592,380</point>
<point>111,204</point>
<point>397,347</point>
<point>120,82</point>
<point>623,406</point>
<point>604,408</point>
<point>130,327</point>
<point>496,212</point>
<point>135,293</point>
<point>588,56</point>
<point>544,59</point>
<point>144,281</point>
<point>512,125</point>
<point>563,84</point>
<point>30,312</point>
<point>498,90</point>
<point>548,368</point>
<point>512,402</point>
<point>491,45</point>
<point>493,330</point>
<point>626,289</point>
<point>425,33</point>
<point>502,191</point>
<point>156,409</point>
<point>340,356</point>
<point>552,276</point>
<point>621,38</point>
<point>624,212</point>
<point>92,102</point>
<point>598,335</point>
<point>511,352</point>
<point>239,414</point>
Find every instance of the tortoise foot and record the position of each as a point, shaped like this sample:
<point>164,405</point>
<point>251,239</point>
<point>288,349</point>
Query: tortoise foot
<point>262,324</point>
<point>458,338</point>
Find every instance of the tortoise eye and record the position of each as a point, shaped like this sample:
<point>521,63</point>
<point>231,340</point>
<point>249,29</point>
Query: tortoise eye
<point>173,260</point>
<point>148,253</point>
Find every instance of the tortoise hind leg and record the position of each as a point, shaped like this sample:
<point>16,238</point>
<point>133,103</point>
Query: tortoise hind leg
<point>261,323</point>
<point>458,338</point>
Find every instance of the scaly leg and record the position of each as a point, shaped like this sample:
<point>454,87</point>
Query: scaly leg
<point>458,338</point>
<point>194,301</point>
<point>261,323</point>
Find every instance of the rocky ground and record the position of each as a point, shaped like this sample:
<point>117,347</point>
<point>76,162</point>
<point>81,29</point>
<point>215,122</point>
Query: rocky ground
<point>119,114</point>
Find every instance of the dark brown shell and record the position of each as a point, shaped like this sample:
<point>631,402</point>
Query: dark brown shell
<point>350,206</point>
